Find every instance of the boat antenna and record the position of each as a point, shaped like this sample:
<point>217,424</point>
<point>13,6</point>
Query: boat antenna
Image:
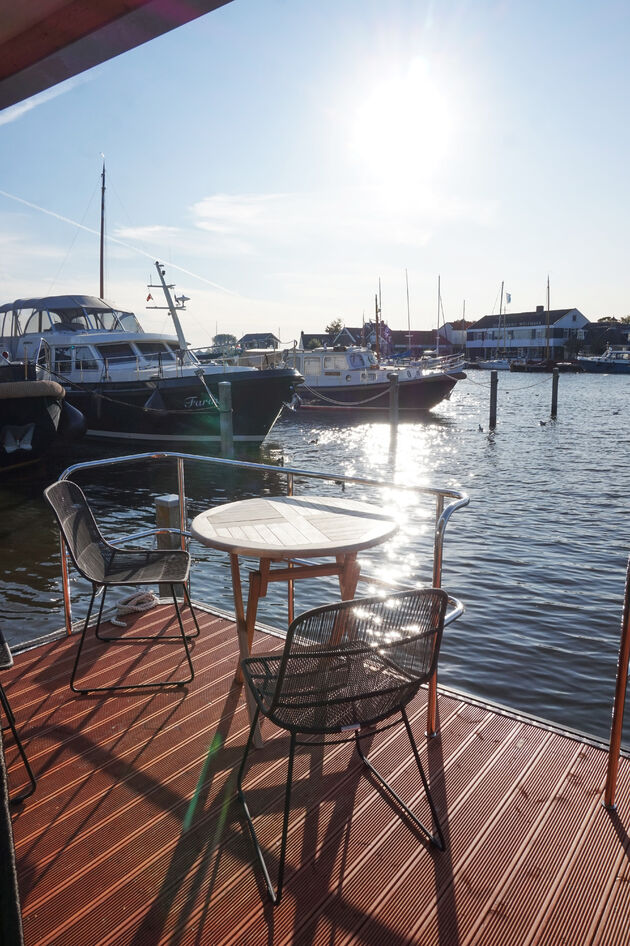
<point>170,305</point>
<point>102,246</point>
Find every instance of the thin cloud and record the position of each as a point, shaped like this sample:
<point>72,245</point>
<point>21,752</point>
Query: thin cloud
<point>15,112</point>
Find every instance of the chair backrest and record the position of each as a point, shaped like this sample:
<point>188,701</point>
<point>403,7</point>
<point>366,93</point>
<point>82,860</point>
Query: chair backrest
<point>89,551</point>
<point>402,630</point>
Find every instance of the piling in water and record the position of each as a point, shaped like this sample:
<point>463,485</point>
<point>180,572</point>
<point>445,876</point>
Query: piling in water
<point>225,418</point>
<point>167,517</point>
<point>494,383</point>
<point>393,398</point>
<point>554,394</point>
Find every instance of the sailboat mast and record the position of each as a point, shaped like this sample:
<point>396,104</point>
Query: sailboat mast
<point>501,315</point>
<point>378,330</point>
<point>547,327</point>
<point>437,332</point>
<point>102,245</point>
<point>408,313</point>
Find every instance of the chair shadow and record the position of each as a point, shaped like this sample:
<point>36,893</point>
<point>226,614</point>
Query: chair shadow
<point>193,847</point>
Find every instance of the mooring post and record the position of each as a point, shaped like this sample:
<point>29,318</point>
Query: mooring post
<point>225,418</point>
<point>494,383</point>
<point>167,517</point>
<point>393,398</point>
<point>554,393</point>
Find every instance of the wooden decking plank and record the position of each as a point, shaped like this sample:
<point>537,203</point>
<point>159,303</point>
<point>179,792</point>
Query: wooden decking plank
<point>134,836</point>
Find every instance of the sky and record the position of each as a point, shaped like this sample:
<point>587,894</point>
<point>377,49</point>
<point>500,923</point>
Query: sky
<point>286,158</point>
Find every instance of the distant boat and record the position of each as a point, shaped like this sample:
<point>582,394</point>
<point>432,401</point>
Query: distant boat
<point>352,379</point>
<point>615,360</point>
<point>135,386</point>
<point>494,364</point>
<point>34,416</point>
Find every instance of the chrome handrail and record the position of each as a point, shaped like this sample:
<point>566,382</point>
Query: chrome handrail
<point>443,513</point>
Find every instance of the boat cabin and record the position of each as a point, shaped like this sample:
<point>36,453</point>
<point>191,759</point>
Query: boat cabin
<point>339,364</point>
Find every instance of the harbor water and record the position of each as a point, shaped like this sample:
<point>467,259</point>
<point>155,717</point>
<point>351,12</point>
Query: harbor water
<point>538,557</point>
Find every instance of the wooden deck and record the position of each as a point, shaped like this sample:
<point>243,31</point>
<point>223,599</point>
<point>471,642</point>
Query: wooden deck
<point>134,836</point>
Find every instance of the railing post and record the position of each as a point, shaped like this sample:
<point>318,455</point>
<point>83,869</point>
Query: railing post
<point>494,383</point>
<point>431,729</point>
<point>181,489</point>
<point>620,699</point>
<point>554,394</point>
<point>65,581</point>
<point>225,418</point>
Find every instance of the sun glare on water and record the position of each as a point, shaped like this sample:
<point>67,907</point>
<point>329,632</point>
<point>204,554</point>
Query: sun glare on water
<point>402,129</point>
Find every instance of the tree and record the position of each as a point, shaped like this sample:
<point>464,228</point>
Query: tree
<point>314,343</point>
<point>226,339</point>
<point>625,319</point>
<point>334,327</point>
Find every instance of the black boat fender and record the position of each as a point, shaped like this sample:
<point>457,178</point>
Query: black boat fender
<point>72,423</point>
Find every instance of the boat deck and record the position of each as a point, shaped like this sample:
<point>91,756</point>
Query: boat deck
<point>134,836</point>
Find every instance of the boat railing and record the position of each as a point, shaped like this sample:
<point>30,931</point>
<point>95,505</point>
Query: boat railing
<point>445,503</point>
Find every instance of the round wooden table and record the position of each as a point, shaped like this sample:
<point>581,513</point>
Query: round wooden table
<point>283,528</point>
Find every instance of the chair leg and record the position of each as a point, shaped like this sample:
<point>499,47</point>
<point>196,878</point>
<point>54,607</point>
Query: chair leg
<point>131,686</point>
<point>192,611</point>
<point>435,837</point>
<point>274,895</point>
<point>19,796</point>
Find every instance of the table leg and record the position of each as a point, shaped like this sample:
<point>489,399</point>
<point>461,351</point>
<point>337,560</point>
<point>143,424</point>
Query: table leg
<point>239,610</point>
<point>349,577</point>
<point>244,644</point>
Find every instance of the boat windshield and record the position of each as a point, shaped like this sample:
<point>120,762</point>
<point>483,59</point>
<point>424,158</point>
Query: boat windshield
<point>118,354</point>
<point>155,351</point>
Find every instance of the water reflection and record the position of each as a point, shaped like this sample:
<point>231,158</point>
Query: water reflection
<point>538,557</point>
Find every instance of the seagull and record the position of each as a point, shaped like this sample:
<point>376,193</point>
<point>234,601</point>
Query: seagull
<point>543,423</point>
<point>480,428</point>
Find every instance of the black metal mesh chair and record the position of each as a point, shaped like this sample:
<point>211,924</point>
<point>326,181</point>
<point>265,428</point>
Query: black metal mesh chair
<point>347,668</point>
<point>6,661</point>
<point>106,566</point>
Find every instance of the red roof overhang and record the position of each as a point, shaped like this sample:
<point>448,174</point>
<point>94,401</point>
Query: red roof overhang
<point>43,42</point>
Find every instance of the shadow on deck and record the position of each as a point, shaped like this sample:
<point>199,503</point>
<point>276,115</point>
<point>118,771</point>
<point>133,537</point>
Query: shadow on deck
<point>134,836</point>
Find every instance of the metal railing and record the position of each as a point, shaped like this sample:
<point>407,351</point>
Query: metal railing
<point>447,502</point>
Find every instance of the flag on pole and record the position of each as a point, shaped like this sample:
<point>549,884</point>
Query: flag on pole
<point>508,297</point>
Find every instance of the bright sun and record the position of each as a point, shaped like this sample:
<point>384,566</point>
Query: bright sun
<point>402,130</point>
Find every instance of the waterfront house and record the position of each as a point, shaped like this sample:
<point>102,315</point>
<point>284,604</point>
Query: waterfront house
<point>533,335</point>
<point>258,340</point>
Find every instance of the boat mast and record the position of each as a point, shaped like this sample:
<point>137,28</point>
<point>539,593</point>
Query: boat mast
<point>499,325</point>
<point>437,331</point>
<point>102,246</point>
<point>408,313</point>
<point>170,305</point>
<point>378,329</point>
<point>547,327</point>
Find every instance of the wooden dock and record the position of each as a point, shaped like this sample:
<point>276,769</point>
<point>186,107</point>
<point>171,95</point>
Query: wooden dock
<point>134,836</point>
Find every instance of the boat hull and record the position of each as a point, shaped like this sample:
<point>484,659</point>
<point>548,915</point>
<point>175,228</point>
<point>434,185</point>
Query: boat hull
<point>604,367</point>
<point>33,418</point>
<point>414,394</point>
<point>179,410</point>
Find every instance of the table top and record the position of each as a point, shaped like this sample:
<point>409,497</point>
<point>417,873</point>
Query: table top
<point>282,527</point>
